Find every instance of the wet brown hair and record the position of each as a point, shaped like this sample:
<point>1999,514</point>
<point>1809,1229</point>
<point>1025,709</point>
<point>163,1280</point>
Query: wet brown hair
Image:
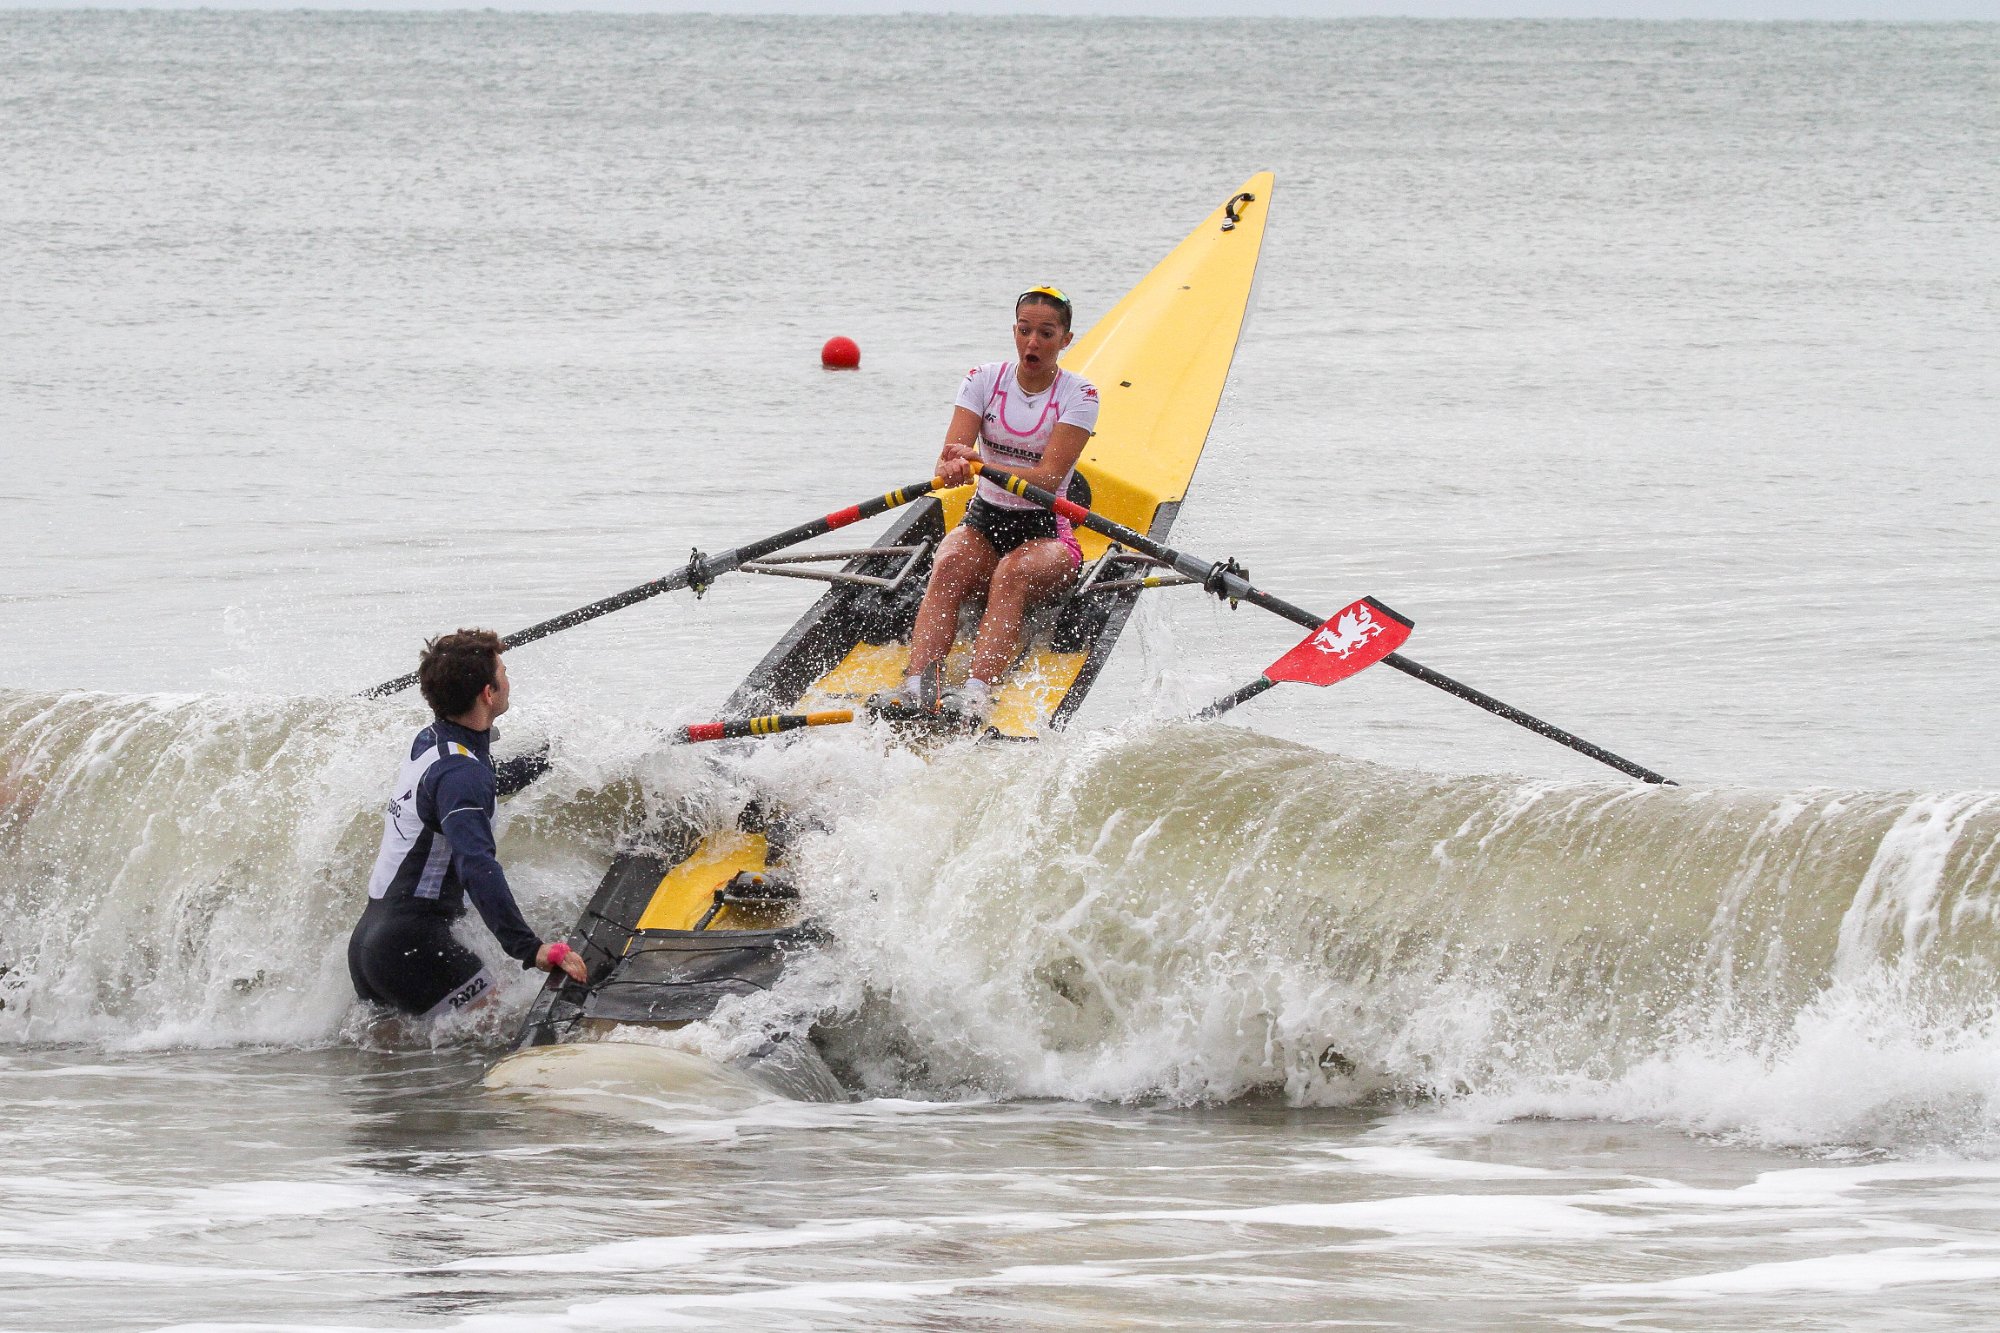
<point>457,667</point>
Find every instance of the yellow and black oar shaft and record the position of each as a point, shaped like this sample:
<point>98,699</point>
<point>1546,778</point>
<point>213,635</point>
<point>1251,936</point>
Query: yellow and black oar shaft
<point>700,571</point>
<point>770,724</point>
<point>1226,579</point>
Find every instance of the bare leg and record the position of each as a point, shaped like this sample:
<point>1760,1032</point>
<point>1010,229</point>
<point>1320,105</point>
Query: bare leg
<point>1029,573</point>
<point>964,562</point>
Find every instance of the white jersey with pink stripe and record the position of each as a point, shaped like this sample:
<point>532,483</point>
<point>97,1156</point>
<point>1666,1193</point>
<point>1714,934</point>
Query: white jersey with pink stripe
<point>1015,425</point>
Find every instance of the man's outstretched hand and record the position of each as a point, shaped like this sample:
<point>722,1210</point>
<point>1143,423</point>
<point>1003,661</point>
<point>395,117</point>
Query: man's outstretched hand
<point>559,955</point>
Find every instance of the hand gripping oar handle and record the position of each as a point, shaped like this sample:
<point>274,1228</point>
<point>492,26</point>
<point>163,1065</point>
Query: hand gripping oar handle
<point>1224,579</point>
<point>698,573</point>
<point>770,724</point>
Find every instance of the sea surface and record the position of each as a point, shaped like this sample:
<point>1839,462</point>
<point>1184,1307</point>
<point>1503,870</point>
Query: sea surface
<point>1652,369</point>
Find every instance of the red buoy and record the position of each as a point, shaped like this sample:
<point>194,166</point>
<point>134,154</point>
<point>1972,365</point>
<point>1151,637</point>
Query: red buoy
<point>840,354</point>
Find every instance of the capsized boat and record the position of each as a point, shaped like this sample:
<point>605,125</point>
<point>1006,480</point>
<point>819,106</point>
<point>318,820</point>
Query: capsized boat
<point>695,916</point>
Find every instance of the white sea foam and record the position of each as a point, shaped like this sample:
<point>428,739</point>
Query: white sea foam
<point>1865,1065</point>
<point>678,1252</point>
<point>1429,1165</point>
<point>1427,1216</point>
<point>118,1271</point>
<point>203,1209</point>
<point>1847,1273</point>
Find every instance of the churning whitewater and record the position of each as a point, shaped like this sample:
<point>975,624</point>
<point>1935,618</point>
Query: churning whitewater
<point>1193,913</point>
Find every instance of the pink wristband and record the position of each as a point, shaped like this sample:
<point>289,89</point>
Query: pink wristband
<point>557,952</point>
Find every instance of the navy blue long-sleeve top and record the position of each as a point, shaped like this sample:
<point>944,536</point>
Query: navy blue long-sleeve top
<point>438,845</point>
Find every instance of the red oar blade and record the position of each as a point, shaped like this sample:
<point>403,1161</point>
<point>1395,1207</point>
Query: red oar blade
<point>1354,638</point>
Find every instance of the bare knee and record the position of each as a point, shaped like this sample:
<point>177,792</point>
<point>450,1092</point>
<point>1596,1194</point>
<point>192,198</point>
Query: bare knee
<point>962,564</point>
<point>955,575</point>
<point>1030,574</point>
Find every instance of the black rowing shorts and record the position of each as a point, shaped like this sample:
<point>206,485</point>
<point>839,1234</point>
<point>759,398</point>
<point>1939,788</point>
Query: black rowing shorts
<point>1009,529</point>
<point>409,960</point>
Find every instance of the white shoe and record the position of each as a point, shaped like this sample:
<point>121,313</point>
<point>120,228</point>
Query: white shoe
<point>967,704</point>
<point>903,698</point>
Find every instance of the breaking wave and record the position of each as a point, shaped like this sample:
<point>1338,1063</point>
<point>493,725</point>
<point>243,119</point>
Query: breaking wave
<point>1159,911</point>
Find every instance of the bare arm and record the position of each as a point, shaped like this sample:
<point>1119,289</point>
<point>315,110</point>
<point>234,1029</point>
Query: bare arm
<point>961,440</point>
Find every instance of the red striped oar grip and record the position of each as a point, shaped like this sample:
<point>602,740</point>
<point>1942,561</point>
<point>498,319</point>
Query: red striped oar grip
<point>770,724</point>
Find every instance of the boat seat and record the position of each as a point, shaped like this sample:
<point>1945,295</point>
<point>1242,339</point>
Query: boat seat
<point>752,892</point>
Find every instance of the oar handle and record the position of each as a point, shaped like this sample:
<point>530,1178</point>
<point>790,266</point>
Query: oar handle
<point>700,571</point>
<point>1224,580</point>
<point>770,724</point>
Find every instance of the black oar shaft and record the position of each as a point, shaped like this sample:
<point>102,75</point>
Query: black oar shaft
<point>699,571</point>
<point>1492,705</point>
<point>1235,697</point>
<point>1223,580</point>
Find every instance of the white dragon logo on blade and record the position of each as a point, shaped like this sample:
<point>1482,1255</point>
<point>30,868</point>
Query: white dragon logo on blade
<point>1354,628</point>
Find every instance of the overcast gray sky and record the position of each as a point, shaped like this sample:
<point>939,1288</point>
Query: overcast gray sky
<point>1929,10</point>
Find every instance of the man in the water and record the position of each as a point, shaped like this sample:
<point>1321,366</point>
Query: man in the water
<point>438,848</point>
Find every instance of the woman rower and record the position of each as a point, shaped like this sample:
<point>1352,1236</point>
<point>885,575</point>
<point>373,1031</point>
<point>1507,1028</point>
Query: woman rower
<point>1032,418</point>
